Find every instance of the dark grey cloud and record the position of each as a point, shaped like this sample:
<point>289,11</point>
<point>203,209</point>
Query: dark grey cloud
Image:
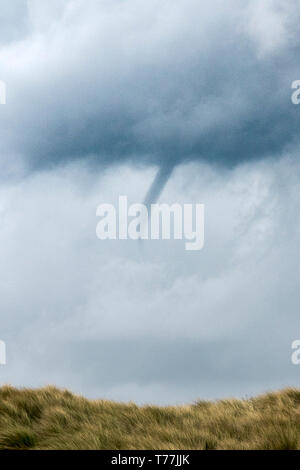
<point>121,81</point>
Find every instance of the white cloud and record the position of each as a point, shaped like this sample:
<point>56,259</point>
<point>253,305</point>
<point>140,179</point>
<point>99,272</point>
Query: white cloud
<point>272,25</point>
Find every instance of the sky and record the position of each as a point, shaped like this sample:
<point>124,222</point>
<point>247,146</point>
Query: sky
<point>176,100</point>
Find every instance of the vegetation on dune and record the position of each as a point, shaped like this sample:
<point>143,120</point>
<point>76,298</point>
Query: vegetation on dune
<point>55,419</point>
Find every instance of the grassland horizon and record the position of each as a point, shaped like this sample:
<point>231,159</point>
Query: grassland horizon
<point>55,419</point>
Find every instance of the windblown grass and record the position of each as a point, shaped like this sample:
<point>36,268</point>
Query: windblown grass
<point>55,419</point>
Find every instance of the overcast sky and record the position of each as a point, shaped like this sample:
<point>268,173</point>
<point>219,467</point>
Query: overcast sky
<point>101,95</point>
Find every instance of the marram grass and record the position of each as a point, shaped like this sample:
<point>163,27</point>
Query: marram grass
<point>56,419</point>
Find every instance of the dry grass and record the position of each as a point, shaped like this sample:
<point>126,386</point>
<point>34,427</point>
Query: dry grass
<point>54,419</point>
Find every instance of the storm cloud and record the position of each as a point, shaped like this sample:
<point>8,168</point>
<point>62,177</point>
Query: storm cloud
<point>162,325</point>
<point>151,82</point>
<point>106,98</point>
